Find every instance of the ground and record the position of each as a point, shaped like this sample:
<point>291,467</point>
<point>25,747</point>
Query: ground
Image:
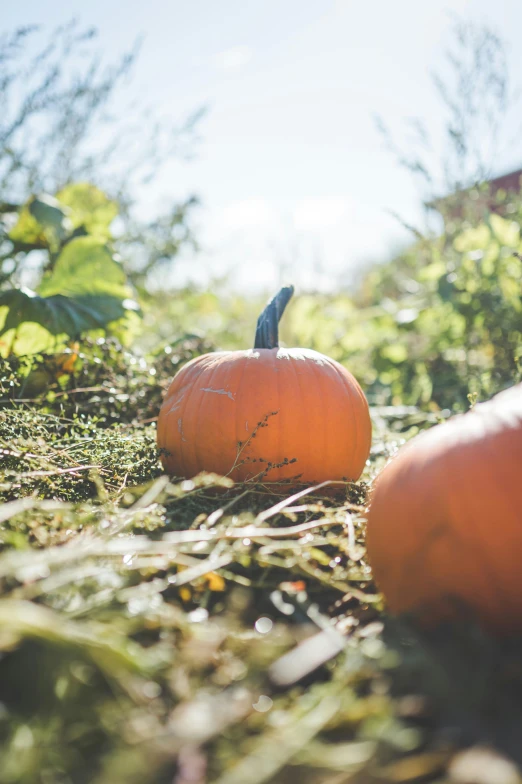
<point>155,631</point>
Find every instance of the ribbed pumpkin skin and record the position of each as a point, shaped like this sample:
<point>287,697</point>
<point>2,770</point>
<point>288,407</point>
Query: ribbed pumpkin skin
<point>445,520</point>
<point>217,401</point>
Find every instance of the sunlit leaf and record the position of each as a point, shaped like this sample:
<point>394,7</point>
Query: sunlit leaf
<point>433,271</point>
<point>50,214</point>
<point>473,239</point>
<point>42,221</point>
<point>90,207</point>
<point>396,352</point>
<point>27,230</point>
<point>86,266</point>
<point>507,232</point>
<point>32,323</point>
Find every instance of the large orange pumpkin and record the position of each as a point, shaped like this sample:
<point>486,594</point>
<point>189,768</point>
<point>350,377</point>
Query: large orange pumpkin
<point>444,530</point>
<point>266,412</point>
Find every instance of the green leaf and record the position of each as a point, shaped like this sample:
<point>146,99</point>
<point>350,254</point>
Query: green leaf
<point>432,271</point>
<point>57,317</point>
<point>473,239</point>
<point>50,214</point>
<point>90,207</point>
<point>396,352</point>
<point>28,338</point>
<point>86,266</point>
<point>507,232</point>
<point>27,230</point>
<point>86,291</point>
<point>446,288</point>
<point>42,221</point>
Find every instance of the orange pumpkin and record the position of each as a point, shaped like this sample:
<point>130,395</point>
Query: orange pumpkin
<point>266,412</point>
<point>445,520</point>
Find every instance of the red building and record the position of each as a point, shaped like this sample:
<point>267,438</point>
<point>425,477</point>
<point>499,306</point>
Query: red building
<point>486,196</point>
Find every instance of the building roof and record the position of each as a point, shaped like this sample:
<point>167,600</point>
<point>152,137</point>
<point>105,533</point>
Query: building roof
<point>510,182</point>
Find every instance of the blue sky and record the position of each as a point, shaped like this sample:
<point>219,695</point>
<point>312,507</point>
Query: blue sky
<point>291,170</point>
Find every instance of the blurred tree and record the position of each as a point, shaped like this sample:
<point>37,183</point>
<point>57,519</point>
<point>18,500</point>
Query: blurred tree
<point>474,88</point>
<point>446,312</point>
<point>58,127</point>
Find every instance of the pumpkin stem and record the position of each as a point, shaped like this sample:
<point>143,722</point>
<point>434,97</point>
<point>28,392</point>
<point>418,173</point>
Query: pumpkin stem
<point>267,331</point>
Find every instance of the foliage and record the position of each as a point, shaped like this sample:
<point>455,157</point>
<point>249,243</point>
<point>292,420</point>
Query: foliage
<point>84,288</point>
<point>226,317</point>
<point>454,314</point>
<point>99,377</point>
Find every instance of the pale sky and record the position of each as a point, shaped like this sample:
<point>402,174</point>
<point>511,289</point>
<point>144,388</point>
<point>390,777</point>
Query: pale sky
<point>292,173</point>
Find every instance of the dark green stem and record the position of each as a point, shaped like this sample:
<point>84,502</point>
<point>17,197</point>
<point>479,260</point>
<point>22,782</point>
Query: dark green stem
<point>267,331</point>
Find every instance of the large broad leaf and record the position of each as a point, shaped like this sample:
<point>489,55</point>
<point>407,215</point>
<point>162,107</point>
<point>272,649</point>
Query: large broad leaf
<point>58,314</point>
<point>42,221</point>
<point>27,230</point>
<point>46,220</point>
<point>89,207</point>
<point>50,214</point>
<point>86,291</point>
<point>86,266</point>
<point>32,323</point>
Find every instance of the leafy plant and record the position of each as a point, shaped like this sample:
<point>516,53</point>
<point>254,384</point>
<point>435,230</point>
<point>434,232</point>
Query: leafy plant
<point>84,287</point>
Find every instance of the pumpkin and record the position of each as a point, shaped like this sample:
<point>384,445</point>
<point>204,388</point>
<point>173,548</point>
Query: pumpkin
<point>444,535</point>
<point>267,412</point>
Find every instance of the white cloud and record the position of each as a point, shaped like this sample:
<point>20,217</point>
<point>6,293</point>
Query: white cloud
<point>232,59</point>
<point>248,214</point>
<point>260,244</point>
<point>319,214</point>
